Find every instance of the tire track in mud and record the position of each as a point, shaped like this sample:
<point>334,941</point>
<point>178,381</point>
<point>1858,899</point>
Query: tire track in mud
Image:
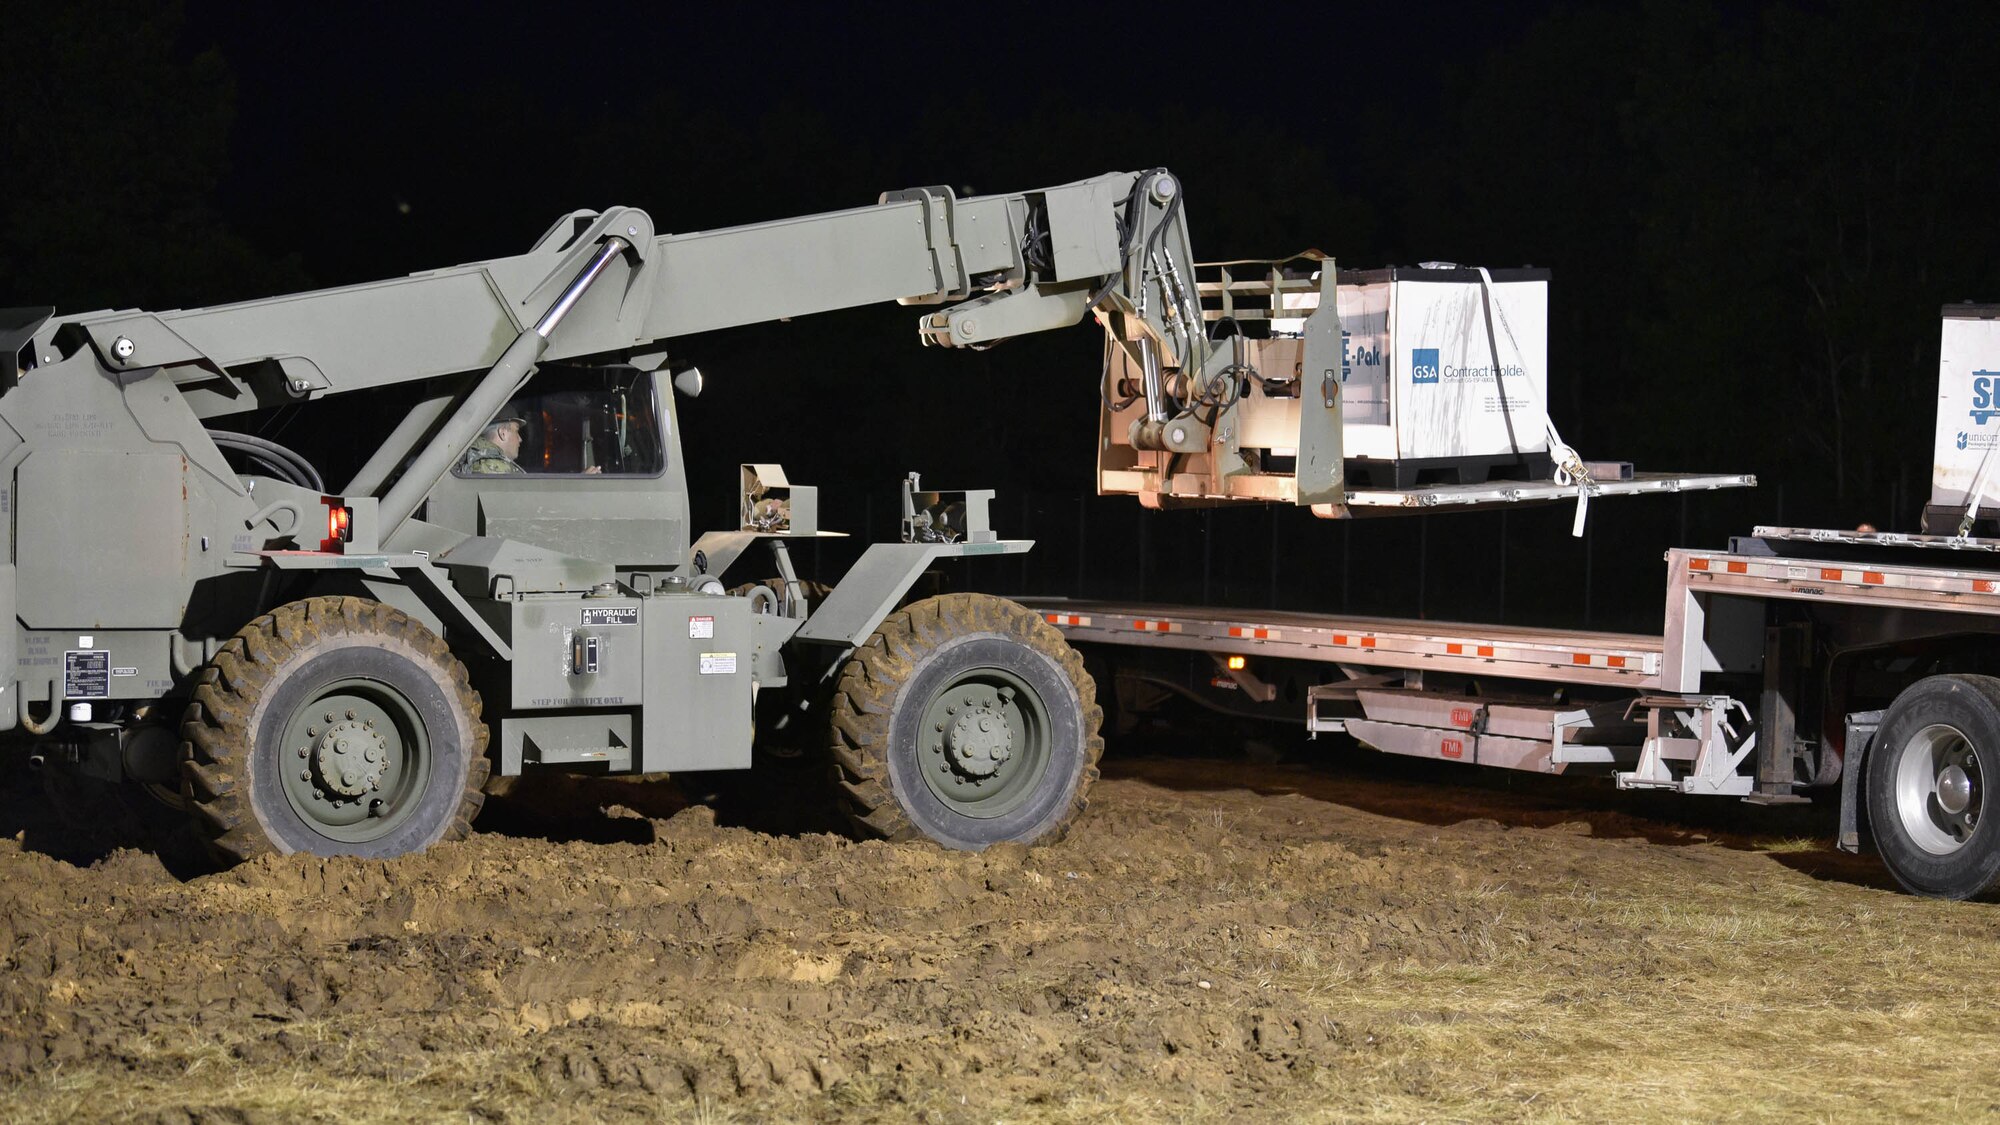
<point>1184,942</point>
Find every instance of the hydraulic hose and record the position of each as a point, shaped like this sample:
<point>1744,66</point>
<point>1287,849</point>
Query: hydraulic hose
<point>284,462</point>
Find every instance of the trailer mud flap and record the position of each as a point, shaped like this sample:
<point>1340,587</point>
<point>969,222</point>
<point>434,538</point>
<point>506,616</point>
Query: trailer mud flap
<point>1861,728</point>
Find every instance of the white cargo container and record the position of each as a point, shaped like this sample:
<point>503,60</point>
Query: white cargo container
<point>1421,394</point>
<point>1968,415</point>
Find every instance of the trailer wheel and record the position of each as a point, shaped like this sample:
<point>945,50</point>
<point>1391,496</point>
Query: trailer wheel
<point>337,726</point>
<point>1928,775</point>
<point>968,719</point>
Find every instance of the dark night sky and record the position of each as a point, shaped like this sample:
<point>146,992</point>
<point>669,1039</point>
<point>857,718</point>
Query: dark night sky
<point>1752,211</point>
<point>344,113</point>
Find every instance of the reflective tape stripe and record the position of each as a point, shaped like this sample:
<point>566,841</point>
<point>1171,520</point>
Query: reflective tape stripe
<point>1920,580</point>
<point>1156,626</point>
<point>1067,619</point>
<point>1254,634</point>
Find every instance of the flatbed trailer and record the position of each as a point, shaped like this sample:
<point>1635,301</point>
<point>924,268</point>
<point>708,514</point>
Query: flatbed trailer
<point>1795,660</point>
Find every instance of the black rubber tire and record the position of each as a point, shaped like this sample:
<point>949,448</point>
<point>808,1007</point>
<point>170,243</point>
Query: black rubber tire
<point>1971,706</point>
<point>230,753</point>
<point>889,682</point>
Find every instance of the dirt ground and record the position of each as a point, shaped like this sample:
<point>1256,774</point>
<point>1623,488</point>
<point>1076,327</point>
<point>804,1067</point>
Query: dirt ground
<point>1338,938</point>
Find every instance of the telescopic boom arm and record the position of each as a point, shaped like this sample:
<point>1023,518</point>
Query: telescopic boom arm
<point>606,287</point>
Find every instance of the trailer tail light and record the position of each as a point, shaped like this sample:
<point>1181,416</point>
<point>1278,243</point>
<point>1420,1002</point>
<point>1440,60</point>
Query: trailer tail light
<point>1238,663</point>
<point>339,526</point>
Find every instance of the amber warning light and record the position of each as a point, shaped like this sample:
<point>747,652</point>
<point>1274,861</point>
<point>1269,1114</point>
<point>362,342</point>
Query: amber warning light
<point>339,525</point>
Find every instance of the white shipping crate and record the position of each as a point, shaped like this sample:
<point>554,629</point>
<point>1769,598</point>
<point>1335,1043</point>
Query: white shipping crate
<point>1421,375</point>
<point>1968,411</point>
<point>1417,373</point>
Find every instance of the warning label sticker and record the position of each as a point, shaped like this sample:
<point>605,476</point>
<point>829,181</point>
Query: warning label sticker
<point>700,627</point>
<point>86,674</point>
<point>718,663</point>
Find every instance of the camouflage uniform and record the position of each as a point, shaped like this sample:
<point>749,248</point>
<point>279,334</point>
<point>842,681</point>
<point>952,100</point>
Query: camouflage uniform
<point>483,457</point>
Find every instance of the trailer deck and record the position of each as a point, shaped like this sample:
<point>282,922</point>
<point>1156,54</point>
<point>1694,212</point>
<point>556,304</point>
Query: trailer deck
<point>1574,656</point>
<point>1666,724</point>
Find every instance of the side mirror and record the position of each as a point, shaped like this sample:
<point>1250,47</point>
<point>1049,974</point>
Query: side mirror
<point>688,382</point>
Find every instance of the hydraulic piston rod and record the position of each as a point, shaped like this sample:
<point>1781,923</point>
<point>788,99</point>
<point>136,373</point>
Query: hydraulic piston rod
<point>498,385</point>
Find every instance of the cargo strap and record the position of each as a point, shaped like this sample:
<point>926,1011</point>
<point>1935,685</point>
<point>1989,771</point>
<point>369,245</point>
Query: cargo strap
<point>1569,466</point>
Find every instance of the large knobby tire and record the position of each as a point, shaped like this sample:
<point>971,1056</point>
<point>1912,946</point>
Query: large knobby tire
<point>336,726</point>
<point>1928,773</point>
<point>967,719</point>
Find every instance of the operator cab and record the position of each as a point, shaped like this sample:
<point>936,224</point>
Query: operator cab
<point>594,475</point>
<point>598,421</point>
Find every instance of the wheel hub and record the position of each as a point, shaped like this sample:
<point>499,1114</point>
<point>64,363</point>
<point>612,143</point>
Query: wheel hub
<point>1954,789</point>
<point>349,758</point>
<point>1939,792</point>
<point>984,742</point>
<point>979,739</point>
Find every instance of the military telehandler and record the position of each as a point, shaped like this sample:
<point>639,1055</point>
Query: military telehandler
<point>509,581</point>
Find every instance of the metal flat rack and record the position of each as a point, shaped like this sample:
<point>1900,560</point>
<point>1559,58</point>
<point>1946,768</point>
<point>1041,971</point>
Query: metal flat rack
<point>1874,539</point>
<point>1540,491</point>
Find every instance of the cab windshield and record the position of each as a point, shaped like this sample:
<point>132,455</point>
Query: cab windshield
<point>599,420</point>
